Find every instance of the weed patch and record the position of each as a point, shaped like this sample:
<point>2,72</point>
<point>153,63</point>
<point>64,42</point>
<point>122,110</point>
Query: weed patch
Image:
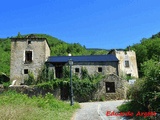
<point>16,106</point>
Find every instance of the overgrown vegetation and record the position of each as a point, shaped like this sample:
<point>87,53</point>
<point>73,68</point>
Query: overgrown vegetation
<point>5,56</point>
<point>145,93</point>
<point>146,50</point>
<point>16,106</point>
<point>84,86</point>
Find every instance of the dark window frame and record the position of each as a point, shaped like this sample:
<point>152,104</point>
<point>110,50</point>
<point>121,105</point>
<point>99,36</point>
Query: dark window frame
<point>77,70</point>
<point>100,69</point>
<point>26,71</point>
<point>110,87</point>
<point>28,56</point>
<point>29,41</point>
<point>126,63</point>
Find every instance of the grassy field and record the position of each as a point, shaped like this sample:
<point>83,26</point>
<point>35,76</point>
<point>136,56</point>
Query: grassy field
<point>16,106</point>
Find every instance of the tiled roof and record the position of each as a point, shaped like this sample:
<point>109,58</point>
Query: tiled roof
<point>89,58</point>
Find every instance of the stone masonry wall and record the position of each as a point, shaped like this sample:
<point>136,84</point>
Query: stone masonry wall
<point>120,88</point>
<point>92,67</point>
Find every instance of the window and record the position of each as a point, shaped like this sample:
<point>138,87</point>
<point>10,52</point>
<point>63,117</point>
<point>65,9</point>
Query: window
<point>28,56</point>
<point>99,69</point>
<point>29,41</point>
<point>25,71</point>
<point>128,75</point>
<point>126,63</point>
<point>110,87</point>
<point>59,71</point>
<point>76,70</point>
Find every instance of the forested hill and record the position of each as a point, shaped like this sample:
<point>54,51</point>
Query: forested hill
<point>58,48</point>
<point>147,49</point>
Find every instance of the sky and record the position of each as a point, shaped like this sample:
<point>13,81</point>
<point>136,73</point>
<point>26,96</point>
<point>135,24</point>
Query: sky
<point>106,24</point>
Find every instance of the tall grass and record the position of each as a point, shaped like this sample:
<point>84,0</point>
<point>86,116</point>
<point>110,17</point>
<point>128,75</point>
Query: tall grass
<point>16,106</point>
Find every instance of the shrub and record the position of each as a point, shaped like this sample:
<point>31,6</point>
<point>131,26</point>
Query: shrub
<point>30,80</point>
<point>145,93</point>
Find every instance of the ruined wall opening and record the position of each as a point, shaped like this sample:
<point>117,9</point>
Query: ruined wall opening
<point>25,71</point>
<point>126,63</point>
<point>76,70</point>
<point>99,69</point>
<point>28,56</point>
<point>110,87</point>
<point>29,41</point>
<point>59,71</point>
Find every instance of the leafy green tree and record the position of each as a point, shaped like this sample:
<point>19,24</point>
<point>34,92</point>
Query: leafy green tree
<point>141,54</point>
<point>146,92</point>
<point>146,50</point>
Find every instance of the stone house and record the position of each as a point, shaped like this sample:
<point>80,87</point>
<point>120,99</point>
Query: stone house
<point>30,54</point>
<point>104,64</point>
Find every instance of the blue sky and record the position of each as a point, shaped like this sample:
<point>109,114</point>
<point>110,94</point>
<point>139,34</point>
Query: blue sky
<point>104,24</point>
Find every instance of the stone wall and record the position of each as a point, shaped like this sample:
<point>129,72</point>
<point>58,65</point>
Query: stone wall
<point>120,88</point>
<point>92,67</point>
<point>34,91</point>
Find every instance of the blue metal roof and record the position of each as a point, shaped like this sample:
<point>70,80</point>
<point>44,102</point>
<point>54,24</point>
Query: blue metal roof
<point>88,58</point>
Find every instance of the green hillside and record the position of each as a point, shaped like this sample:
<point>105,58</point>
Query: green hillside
<point>58,48</point>
<point>4,56</point>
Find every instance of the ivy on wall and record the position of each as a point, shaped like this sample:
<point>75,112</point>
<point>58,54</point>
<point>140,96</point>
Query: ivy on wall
<point>84,87</point>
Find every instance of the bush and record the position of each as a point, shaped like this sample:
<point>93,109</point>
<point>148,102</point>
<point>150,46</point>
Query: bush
<point>145,93</point>
<point>30,80</point>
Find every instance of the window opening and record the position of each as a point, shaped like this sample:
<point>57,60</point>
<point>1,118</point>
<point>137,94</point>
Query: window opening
<point>28,56</point>
<point>99,69</point>
<point>59,71</point>
<point>129,75</point>
<point>29,41</point>
<point>126,63</point>
<point>77,70</point>
<point>110,87</point>
<point>25,71</point>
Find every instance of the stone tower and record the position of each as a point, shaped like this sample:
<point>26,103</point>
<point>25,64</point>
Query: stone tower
<point>127,62</point>
<point>28,54</point>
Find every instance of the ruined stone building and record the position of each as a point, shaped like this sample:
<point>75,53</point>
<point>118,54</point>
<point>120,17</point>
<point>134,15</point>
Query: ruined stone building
<point>127,62</point>
<point>29,54</point>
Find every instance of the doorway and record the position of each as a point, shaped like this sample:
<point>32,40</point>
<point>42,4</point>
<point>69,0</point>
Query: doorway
<point>59,71</point>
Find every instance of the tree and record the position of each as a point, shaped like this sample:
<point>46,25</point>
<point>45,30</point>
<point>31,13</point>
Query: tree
<point>146,92</point>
